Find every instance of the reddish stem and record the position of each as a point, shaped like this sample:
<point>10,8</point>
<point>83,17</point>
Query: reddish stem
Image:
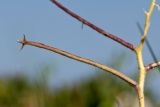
<point>101,31</point>
<point>152,66</point>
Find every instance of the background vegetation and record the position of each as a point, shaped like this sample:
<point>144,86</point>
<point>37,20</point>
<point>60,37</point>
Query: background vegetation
<point>100,90</point>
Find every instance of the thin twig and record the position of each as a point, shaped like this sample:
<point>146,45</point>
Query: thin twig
<point>152,66</point>
<point>78,58</point>
<point>101,31</point>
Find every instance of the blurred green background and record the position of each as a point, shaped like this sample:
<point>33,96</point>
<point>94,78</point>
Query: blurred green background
<point>99,90</point>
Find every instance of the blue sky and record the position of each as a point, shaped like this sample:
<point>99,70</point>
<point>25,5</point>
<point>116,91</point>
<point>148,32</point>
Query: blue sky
<point>42,21</point>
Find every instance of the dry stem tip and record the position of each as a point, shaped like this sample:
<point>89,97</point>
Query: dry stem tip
<point>23,41</point>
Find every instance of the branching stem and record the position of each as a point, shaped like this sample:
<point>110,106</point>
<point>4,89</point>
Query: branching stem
<point>142,69</point>
<point>138,50</point>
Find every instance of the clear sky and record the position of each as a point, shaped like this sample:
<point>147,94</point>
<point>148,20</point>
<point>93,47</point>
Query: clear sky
<point>42,21</point>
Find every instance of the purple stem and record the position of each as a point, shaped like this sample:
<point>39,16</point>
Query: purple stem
<point>94,27</point>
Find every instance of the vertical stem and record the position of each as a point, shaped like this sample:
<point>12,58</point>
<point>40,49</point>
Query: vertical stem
<point>142,75</point>
<point>138,50</point>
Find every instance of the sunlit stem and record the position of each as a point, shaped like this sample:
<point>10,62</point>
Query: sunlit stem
<point>138,50</point>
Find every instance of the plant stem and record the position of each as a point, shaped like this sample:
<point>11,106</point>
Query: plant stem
<point>138,50</point>
<point>78,58</point>
<point>142,75</point>
<point>94,27</point>
<point>152,66</point>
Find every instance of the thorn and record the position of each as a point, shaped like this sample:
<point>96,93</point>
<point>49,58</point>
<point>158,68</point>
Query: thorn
<point>24,37</point>
<point>22,41</point>
<point>145,12</point>
<point>22,47</point>
<point>82,25</point>
<point>158,7</point>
